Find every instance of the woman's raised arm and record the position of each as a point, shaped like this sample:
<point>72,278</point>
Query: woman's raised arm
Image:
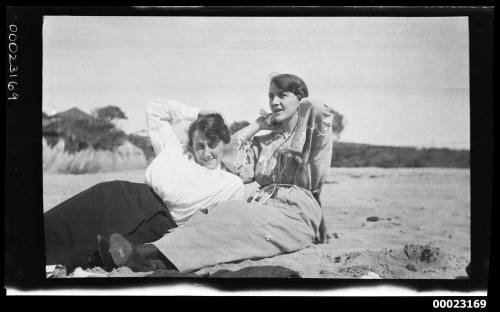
<point>161,115</point>
<point>242,152</point>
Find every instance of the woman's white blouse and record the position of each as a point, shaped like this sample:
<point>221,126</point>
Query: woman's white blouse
<point>183,185</point>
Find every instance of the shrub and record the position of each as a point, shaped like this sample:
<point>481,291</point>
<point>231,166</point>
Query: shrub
<point>89,132</point>
<point>109,113</point>
<point>144,143</point>
<point>365,155</point>
<point>237,125</point>
<point>338,123</point>
<point>56,159</point>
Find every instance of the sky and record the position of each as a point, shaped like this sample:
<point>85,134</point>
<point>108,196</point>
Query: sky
<point>401,81</point>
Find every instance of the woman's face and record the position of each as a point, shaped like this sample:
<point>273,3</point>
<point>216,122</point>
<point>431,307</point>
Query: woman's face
<point>283,104</point>
<point>207,154</point>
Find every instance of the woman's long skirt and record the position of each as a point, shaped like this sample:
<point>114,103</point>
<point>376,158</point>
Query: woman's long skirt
<point>235,231</point>
<point>131,209</point>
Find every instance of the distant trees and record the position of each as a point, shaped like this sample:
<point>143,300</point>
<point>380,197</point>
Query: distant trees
<point>81,131</point>
<point>237,125</point>
<point>365,155</point>
<point>109,113</point>
<point>338,123</point>
<point>144,143</point>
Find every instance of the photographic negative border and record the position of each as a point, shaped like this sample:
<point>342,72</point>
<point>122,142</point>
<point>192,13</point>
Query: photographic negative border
<point>25,255</point>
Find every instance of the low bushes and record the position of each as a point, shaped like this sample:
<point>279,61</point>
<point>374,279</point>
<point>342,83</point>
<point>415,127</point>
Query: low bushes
<point>365,155</point>
<point>57,159</point>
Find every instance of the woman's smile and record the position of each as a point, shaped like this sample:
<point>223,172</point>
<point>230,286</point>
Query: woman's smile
<point>209,159</point>
<point>277,109</point>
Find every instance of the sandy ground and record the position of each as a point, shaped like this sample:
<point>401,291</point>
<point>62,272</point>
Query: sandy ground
<point>387,223</point>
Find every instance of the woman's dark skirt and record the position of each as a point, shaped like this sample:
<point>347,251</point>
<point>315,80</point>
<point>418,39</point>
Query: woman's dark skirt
<point>131,209</point>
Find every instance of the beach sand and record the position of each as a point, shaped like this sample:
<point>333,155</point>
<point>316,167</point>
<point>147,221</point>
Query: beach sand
<point>397,223</point>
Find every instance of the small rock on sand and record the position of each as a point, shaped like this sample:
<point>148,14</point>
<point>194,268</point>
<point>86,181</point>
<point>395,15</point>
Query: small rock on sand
<point>372,219</point>
<point>426,253</point>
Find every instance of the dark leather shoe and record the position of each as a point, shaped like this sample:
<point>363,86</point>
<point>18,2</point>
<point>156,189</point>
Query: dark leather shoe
<point>104,254</point>
<point>124,253</point>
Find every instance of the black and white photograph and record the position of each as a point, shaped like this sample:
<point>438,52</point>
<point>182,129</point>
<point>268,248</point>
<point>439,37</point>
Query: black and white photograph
<point>256,146</point>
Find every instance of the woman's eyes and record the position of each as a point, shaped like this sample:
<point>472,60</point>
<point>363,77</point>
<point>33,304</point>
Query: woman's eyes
<point>202,147</point>
<point>280,95</point>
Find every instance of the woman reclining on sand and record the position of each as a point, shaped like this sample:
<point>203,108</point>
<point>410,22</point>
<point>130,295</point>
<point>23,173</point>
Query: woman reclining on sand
<point>178,185</point>
<point>285,214</point>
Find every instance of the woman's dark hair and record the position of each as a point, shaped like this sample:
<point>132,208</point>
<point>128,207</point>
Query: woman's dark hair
<point>290,83</point>
<point>212,126</point>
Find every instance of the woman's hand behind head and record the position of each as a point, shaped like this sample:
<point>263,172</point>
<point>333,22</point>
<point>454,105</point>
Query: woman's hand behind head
<point>266,121</point>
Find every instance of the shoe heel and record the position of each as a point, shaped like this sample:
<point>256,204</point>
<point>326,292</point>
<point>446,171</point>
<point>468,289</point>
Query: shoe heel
<point>120,249</point>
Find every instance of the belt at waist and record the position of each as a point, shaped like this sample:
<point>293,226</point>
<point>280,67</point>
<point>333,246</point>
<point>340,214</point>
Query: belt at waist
<point>266,192</point>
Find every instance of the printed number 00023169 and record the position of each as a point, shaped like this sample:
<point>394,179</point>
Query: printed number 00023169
<point>13,68</point>
<point>458,304</point>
